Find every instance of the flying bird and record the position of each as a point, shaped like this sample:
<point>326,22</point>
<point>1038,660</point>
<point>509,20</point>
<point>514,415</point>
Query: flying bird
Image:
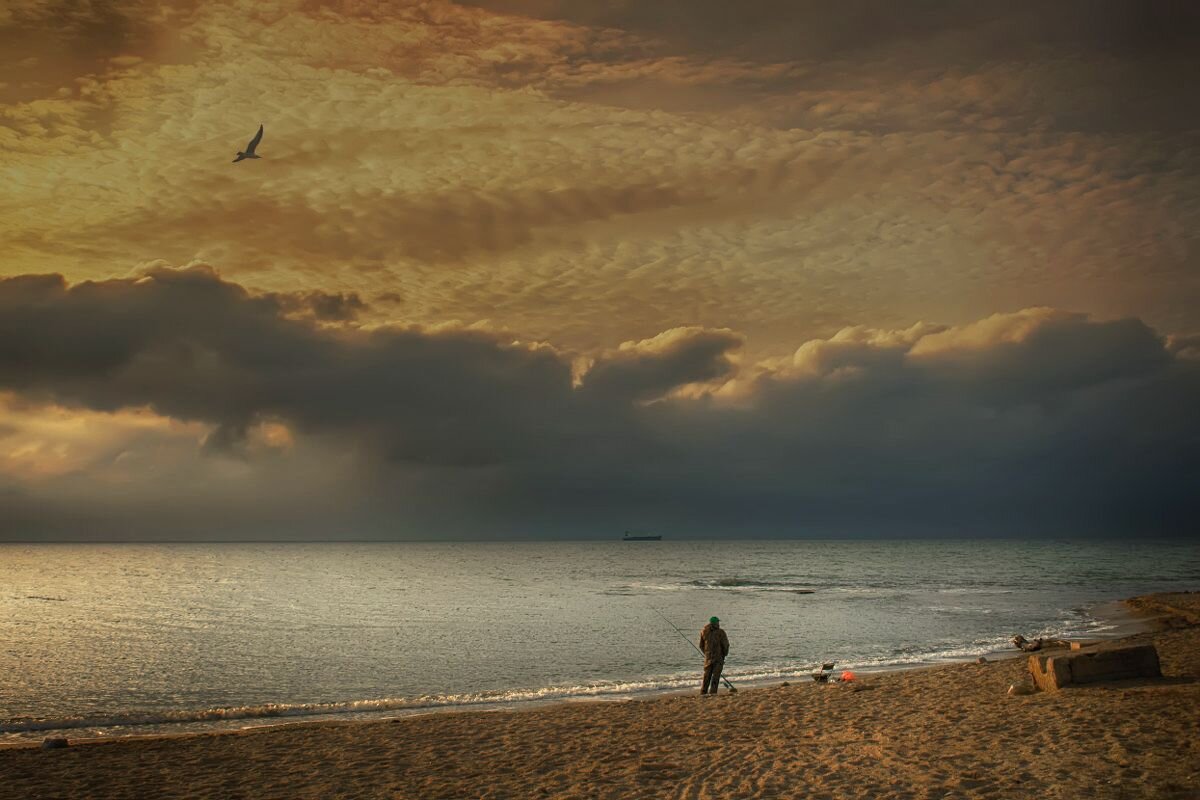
<point>249,151</point>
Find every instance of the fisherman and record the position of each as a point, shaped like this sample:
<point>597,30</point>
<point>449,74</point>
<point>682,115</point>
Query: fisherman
<point>715,646</point>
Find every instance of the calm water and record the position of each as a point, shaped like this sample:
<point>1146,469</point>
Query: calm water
<point>175,637</point>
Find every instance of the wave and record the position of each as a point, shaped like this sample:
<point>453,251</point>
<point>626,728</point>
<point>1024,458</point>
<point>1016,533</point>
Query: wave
<point>277,710</point>
<point>959,610</point>
<point>1069,624</point>
<point>596,690</point>
<point>975,590</point>
<point>752,585</point>
<point>298,711</point>
<point>884,591</point>
<point>266,712</point>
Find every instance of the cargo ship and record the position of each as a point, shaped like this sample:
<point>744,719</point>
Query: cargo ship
<point>642,537</point>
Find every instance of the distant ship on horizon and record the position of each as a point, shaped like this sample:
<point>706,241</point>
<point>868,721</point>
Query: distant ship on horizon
<point>642,537</point>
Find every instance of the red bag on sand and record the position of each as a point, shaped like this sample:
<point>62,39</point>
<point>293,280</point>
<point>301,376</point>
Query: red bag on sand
<point>847,675</point>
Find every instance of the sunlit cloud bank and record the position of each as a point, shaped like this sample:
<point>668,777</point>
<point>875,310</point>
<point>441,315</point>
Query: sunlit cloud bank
<point>179,404</point>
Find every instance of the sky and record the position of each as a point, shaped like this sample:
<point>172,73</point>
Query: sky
<point>559,268</point>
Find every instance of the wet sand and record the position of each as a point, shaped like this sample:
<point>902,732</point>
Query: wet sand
<point>942,732</point>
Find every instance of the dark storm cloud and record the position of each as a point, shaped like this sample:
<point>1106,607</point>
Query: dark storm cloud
<point>1037,421</point>
<point>194,347</point>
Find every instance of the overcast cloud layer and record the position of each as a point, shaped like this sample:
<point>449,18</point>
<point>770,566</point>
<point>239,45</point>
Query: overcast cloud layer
<point>562,267</point>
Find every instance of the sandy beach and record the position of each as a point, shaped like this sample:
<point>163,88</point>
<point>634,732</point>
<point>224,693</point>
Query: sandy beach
<point>943,732</point>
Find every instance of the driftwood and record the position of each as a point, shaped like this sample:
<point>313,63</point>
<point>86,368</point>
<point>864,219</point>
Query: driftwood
<point>1031,646</point>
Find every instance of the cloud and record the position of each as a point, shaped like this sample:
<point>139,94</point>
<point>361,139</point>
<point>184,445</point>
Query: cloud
<point>1185,345</point>
<point>648,369</point>
<point>191,346</point>
<point>808,29</point>
<point>340,307</point>
<point>587,173</point>
<point>42,442</point>
<point>1033,421</point>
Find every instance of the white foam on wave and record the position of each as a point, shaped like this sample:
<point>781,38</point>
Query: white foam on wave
<point>752,585</point>
<point>266,711</point>
<point>601,690</point>
<point>975,590</point>
<point>959,610</point>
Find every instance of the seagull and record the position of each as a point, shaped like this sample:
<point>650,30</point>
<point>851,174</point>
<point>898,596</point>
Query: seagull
<point>249,153</point>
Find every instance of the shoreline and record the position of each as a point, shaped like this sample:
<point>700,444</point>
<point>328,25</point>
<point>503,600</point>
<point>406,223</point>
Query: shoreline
<point>1123,620</point>
<point>938,731</point>
<point>1119,620</point>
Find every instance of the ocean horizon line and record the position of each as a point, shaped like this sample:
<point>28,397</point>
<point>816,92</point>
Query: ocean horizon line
<point>666,539</point>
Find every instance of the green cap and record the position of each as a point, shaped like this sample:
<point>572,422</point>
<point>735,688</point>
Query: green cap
<point>713,619</point>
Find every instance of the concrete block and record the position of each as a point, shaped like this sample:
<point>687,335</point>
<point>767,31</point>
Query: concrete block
<point>1114,664</point>
<point>1049,673</point>
<point>1092,665</point>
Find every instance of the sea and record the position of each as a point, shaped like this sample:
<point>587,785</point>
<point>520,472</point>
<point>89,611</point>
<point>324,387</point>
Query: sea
<point>111,640</point>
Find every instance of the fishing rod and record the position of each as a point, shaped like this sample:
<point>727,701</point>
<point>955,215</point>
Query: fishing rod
<point>687,639</point>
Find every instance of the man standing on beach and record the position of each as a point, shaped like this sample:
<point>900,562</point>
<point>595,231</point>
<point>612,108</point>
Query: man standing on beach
<point>715,646</point>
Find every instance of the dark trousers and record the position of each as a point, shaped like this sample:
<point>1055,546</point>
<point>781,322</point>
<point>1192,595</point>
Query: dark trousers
<point>712,677</point>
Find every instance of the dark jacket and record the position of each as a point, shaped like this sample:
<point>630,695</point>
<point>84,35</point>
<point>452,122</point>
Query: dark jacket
<point>714,644</point>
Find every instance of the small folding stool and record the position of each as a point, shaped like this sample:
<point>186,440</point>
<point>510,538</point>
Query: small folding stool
<point>825,673</point>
